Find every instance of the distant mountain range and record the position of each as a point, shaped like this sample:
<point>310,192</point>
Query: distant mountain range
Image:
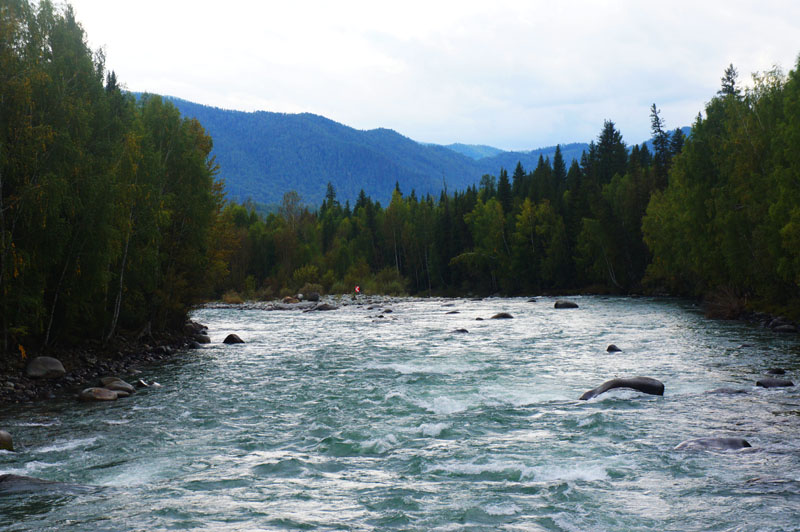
<point>262,155</point>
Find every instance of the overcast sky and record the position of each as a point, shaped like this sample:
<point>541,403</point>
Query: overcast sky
<point>511,74</point>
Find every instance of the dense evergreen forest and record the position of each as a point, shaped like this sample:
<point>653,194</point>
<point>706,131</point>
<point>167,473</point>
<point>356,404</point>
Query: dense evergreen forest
<point>108,207</point>
<point>112,219</point>
<point>714,215</point>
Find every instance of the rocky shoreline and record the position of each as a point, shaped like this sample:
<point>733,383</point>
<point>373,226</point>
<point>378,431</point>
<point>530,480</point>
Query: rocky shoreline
<point>85,365</point>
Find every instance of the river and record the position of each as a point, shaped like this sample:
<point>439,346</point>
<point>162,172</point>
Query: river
<point>386,418</point>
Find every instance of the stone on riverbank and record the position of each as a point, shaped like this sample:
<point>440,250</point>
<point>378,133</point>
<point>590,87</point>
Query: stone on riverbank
<point>116,384</point>
<point>563,303</point>
<point>45,368</point>
<point>6,442</point>
<point>98,394</point>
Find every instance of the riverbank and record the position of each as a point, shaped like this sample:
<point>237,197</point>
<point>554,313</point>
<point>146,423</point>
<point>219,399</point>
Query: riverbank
<point>85,365</point>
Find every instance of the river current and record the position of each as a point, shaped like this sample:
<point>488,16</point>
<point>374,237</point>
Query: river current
<point>380,416</point>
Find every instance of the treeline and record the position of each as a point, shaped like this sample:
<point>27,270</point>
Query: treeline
<point>715,215</point>
<point>108,205</point>
<point>553,228</point>
<point>728,224</point>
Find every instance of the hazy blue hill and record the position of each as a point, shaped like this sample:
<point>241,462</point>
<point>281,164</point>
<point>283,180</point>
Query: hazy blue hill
<point>262,155</point>
<point>474,151</point>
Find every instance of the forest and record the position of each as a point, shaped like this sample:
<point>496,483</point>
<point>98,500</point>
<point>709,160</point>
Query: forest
<point>713,215</point>
<point>113,217</point>
<point>109,206</point>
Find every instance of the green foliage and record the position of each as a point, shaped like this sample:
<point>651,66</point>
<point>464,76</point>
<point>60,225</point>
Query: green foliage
<point>107,206</point>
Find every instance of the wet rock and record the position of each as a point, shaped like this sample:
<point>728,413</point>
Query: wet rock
<point>232,339</point>
<point>774,383</point>
<point>613,348</point>
<point>203,339</point>
<point>643,384</point>
<point>117,385</point>
<point>45,368</point>
<point>502,316</point>
<point>532,300</point>
<point>453,312</point>
<point>788,328</point>
<point>563,303</point>
<point>98,394</point>
<point>776,371</point>
<point>6,442</point>
<point>322,307</point>
<point>462,331</point>
<point>194,344</point>
<point>387,311</point>
<point>721,444</point>
<point>478,319</point>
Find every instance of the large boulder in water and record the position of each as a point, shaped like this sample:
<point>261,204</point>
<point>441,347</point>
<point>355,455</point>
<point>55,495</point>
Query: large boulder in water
<point>613,348</point>
<point>45,368</point>
<point>563,303</point>
<point>6,442</point>
<point>98,394</point>
<point>232,339</point>
<point>502,316</point>
<point>642,384</point>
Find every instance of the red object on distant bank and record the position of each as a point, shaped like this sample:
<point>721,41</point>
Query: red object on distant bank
<point>358,289</point>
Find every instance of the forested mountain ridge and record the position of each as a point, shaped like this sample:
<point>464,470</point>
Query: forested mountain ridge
<point>263,154</point>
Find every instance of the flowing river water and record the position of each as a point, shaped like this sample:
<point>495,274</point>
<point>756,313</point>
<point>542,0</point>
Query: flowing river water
<point>344,420</point>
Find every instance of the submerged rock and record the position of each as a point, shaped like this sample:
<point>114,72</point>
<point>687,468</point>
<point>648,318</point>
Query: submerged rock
<point>642,384</point>
<point>462,331</point>
<point>726,391</point>
<point>722,444</point>
<point>774,383</point>
<point>22,484</point>
<point>232,339</point>
<point>6,442</point>
<point>45,368</point>
<point>776,371</point>
<point>563,303</point>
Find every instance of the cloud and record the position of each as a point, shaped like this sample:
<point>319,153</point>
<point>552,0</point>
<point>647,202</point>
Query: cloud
<point>510,74</point>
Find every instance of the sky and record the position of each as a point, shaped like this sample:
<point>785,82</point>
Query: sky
<point>510,74</point>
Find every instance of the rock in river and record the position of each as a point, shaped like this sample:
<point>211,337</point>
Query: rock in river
<point>721,444</point>
<point>502,316</point>
<point>45,368</point>
<point>612,348</point>
<point>774,383</point>
<point>98,394</point>
<point>232,339</point>
<point>6,443</point>
<point>642,384</point>
<point>563,303</point>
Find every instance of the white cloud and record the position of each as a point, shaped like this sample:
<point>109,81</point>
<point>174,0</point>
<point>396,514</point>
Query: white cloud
<point>513,74</point>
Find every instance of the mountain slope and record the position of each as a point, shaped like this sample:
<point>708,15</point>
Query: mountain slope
<point>262,155</point>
